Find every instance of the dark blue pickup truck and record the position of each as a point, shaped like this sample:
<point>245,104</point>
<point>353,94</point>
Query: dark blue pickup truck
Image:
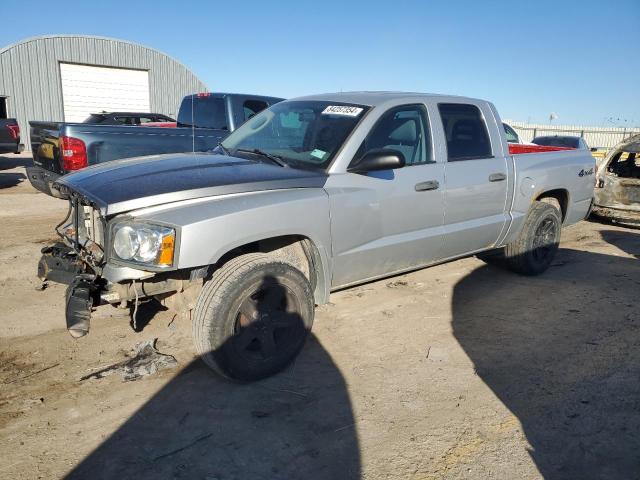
<point>204,119</point>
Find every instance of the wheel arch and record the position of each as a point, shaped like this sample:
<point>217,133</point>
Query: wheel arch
<point>559,194</point>
<point>299,250</point>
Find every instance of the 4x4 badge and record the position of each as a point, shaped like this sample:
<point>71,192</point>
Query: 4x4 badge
<point>584,172</point>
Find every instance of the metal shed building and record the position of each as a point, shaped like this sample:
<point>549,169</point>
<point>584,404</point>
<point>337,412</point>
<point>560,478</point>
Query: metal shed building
<point>68,77</point>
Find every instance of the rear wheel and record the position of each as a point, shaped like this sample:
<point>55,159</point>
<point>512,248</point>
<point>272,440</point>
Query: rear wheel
<point>253,317</point>
<point>536,246</point>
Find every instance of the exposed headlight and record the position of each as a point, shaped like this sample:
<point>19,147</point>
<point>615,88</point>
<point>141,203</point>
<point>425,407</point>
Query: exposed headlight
<point>125,242</point>
<point>145,244</point>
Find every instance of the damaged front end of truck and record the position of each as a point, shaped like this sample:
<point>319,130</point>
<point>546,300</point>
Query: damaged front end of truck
<point>80,260</point>
<point>617,192</point>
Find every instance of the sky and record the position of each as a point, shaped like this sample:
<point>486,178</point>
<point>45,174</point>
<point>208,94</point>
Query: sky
<point>577,59</point>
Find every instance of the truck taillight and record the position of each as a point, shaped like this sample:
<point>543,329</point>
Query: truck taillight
<point>14,130</point>
<point>74,153</point>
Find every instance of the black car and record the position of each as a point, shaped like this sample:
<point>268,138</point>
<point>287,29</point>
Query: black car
<point>565,141</point>
<point>126,118</point>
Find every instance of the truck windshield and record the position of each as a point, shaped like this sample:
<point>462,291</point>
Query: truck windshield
<point>300,133</point>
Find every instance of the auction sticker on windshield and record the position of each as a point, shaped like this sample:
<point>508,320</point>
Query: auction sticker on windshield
<point>342,110</point>
<point>318,153</point>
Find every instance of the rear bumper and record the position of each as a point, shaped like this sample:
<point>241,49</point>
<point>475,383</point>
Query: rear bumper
<point>42,180</point>
<point>618,215</point>
<point>11,147</point>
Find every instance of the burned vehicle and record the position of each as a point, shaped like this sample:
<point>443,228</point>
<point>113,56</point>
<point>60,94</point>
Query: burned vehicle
<point>617,192</point>
<point>308,196</point>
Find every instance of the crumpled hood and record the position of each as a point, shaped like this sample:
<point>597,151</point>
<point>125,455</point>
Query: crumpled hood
<point>134,183</point>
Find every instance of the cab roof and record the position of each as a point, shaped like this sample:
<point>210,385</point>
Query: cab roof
<point>373,99</point>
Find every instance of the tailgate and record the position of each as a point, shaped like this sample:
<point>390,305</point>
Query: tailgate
<point>44,145</point>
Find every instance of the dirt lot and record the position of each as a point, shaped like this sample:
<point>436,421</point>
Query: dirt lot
<point>458,371</point>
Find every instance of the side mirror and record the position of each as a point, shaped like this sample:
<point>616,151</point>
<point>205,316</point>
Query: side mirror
<point>378,159</point>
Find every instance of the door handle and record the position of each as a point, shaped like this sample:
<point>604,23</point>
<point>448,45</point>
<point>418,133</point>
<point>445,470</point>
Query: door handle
<point>497,177</point>
<point>429,185</point>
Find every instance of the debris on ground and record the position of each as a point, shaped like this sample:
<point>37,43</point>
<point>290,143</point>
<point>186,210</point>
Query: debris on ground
<point>147,360</point>
<point>6,382</point>
<point>397,283</point>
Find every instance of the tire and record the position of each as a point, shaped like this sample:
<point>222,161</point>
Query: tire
<point>536,246</point>
<point>253,317</point>
<point>552,201</point>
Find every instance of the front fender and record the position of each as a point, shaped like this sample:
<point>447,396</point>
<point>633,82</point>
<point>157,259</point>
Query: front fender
<point>212,227</point>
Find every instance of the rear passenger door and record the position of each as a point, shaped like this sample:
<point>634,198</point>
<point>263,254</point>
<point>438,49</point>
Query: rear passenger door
<point>387,221</point>
<point>476,179</point>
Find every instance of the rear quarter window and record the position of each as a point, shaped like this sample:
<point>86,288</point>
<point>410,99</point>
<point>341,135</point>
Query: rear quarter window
<point>466,132</point>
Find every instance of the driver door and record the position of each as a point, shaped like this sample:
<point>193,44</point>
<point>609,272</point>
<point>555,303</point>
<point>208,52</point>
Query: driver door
<point>389,221</point>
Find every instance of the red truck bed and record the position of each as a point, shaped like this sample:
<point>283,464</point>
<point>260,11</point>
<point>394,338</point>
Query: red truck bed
<point>518,148</point>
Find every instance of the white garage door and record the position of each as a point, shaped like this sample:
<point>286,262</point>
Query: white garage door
<point>87,90</point>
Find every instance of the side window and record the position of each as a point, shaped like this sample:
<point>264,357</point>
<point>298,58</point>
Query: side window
<point>404,129</point>
<point>466,132</point>
<point>512,136</point>
<point>124,120</point>
<point>251,107</point>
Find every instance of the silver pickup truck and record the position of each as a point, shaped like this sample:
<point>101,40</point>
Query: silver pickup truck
<point>311,195</point>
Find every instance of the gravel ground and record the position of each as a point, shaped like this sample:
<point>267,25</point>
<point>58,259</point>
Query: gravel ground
<point>457,371</point>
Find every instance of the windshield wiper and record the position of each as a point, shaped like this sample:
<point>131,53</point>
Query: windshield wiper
<point>274,158</point>
<point>224,149</point>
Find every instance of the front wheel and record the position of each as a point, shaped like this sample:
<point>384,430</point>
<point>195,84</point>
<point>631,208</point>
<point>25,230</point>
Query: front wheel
<point>253,317</point>
<point>536,246</point>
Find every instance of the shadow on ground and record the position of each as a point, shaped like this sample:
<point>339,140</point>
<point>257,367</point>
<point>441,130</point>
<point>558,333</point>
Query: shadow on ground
<point>11,179</point>
<point>626,241</point>
<point>297,424</point>
<point>565,364</point>
<point>14,161</point>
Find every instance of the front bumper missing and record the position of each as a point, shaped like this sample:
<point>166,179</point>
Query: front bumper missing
<point>59,263</point>
<point>80,299</point>
<point>88,289</point>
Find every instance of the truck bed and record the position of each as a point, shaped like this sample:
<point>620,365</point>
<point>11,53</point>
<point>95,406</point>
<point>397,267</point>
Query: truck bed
<point>204,119</point>
<point>104,143</point>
